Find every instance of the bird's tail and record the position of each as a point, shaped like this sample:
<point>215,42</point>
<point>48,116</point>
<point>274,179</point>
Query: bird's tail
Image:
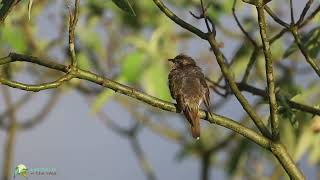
<point>192,115</point>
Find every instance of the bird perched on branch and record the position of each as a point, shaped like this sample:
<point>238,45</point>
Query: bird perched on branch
<point>189,88</point>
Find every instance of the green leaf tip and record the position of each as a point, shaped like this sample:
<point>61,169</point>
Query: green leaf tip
<point>125,6</point>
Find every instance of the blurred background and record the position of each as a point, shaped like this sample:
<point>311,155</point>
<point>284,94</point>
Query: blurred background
<point>85,131</point>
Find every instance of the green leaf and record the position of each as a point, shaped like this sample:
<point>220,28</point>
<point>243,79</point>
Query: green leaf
<point>307,94</point>
<point>83,61</point>
<point>125,6</point>
<point>304,143</point>
<point>288,135</point>
<point>314,156</point>
<point>14,38</point>
<point>156,81</point>
<point>132,66</point>
<point>310,41</point>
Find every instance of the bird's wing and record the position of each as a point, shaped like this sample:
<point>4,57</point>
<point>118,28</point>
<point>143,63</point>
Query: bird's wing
<point>171,80</point>
<point>175,87</point>
<point>205,88</point>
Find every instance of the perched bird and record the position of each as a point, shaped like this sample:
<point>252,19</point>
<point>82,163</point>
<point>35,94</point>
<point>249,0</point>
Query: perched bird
<point>188,87</point>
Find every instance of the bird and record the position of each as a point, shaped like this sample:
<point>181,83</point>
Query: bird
<point>189,88</point>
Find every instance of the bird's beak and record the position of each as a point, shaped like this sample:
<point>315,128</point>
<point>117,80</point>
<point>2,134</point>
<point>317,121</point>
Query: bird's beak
<point>171,60</point>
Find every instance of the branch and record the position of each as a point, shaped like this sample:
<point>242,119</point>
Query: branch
<point>6,8</point>
<point>11,136</point>
<point>136,94</point>
<point>205,167</point>
<point>179,21</point>
<point>253,42</point>
<point>244,102</point>
<point>291,12</point>
<point>304,51</point>
<point>269,73</point>
<point>43,112</point>
<point>275,17</point>
<point>73,19</point>
<point>304,11</point>
<point>253,58</point>
<point>131,134</point>
<point>310,17</point>
<point>292,104</point>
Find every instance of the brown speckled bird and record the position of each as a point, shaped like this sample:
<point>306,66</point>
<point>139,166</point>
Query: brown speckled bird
<point>189,88</point>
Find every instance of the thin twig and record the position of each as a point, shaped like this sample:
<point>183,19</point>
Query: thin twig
<point>291,12</point>
<point>253,58</point>
<point>304,11</point>
<point>73,19</point>
<point>131,133</point>
<point>310,17</point>
<point>304,51</point>
<point>253,42</point>
<point>276,18</point>
<point>292,104</point>
<point>6,8</point>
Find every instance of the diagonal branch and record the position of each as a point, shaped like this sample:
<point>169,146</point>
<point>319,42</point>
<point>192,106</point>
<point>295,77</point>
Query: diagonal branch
<point>6,8</point>
<point>304,11</point>
<point>179,21</point>
<point>275,17</point>
<point>295,105</point>
<point>253,42</point>
<point>310,17</point>
<point>304,51</point>
<point>136,94</point>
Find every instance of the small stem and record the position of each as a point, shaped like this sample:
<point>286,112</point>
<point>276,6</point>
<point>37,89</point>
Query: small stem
<point>252,60</point>
<point>240,25</point>
<point>269,74</point>
<point>304,12</point>
<point>275,17</point>
<point>181,22</point>
<point>205,167</point>
<point>73,19</point>
<point>295,105</point>
<point>304,51</point>
<point>310,17</point>
<point>291,12</point>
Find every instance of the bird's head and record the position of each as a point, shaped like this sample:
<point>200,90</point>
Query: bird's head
<point>182,60</point>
